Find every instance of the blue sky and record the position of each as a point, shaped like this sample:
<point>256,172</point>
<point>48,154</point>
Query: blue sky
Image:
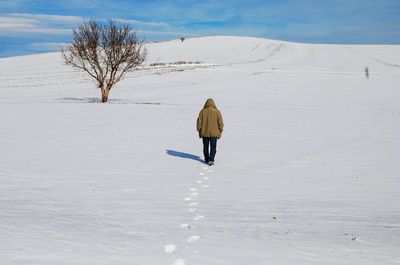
<point>32,26</point>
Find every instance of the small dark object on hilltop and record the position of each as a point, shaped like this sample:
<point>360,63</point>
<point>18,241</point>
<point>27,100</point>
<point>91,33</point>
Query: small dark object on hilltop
<point>366,72</point>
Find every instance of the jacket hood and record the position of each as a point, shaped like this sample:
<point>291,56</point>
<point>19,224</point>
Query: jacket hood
<point>210,103</point>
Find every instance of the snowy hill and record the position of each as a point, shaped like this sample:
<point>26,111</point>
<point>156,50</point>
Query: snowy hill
<point>306,172</point>
<point>278,55</point>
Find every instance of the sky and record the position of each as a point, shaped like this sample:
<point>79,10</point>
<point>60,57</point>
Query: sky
<point>35,26</point>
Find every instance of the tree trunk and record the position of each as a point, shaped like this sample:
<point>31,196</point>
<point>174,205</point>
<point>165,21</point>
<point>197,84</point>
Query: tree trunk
<point>104,95</point>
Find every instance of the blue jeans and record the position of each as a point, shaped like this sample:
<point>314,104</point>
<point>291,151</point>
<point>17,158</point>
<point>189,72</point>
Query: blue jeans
<point>209,155</point>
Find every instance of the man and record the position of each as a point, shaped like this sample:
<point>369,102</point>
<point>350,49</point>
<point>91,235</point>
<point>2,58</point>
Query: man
<point>210,126</point>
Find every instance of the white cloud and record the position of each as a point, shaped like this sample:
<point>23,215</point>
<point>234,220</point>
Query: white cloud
<point>38,30</point>
<point>47,46</point>
<point>142,23</point>
<point>53,28</point>
<point>50,18</point>
<point>15,24</point>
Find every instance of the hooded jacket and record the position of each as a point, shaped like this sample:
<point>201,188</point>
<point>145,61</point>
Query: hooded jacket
<point>209,122</point>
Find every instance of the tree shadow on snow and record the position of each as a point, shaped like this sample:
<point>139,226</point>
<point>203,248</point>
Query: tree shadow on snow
<point>89,100</point>
<point>110,101</point>
<point>184,155</point>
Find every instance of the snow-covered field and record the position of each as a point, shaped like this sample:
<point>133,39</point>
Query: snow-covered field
<point>307,170</point>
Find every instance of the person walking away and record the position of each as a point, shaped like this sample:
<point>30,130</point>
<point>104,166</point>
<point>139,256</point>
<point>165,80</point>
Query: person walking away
<point>210,125</point>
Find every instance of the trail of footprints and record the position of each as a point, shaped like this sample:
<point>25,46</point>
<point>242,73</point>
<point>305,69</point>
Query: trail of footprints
<point>193,207</point>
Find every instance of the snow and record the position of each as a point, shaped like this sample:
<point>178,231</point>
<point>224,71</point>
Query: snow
<point>307,170</point>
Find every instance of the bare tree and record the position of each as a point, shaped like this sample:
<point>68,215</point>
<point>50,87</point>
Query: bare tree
<point>105,51</point>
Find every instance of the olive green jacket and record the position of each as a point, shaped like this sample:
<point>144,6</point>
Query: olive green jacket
<point>210,122</point>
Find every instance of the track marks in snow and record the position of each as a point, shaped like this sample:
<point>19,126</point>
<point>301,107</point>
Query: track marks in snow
<point>186,226</point>
<point>198,217</point>
<point>193,239</point>
<point>374,58</point>
<point>194,208</point>
<point>179,262</point>
<point>170,248</point>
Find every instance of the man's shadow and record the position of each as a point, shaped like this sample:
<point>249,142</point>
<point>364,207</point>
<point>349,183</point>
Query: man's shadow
<point>184,155</point>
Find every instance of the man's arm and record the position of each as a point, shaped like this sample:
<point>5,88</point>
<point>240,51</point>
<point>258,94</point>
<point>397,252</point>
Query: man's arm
<point>199,122</point>
<point>220,122</point>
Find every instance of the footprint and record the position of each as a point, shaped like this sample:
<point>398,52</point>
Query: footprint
<point>187,199</point>
<point>179,262</point>
<point>187,226</point>
<point>205,167</point>
<point>192,210</point>
<point>206,178</point>
<point>205,186</point>
<point>193,204</point>
<point>192,239</point>
<point>194,194</point>
<point>170,248</point>
<point>198,217</point>
<point>199,181</point>
<point>193,189</point>
<point>210,170</point>
<point>201,174</point>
